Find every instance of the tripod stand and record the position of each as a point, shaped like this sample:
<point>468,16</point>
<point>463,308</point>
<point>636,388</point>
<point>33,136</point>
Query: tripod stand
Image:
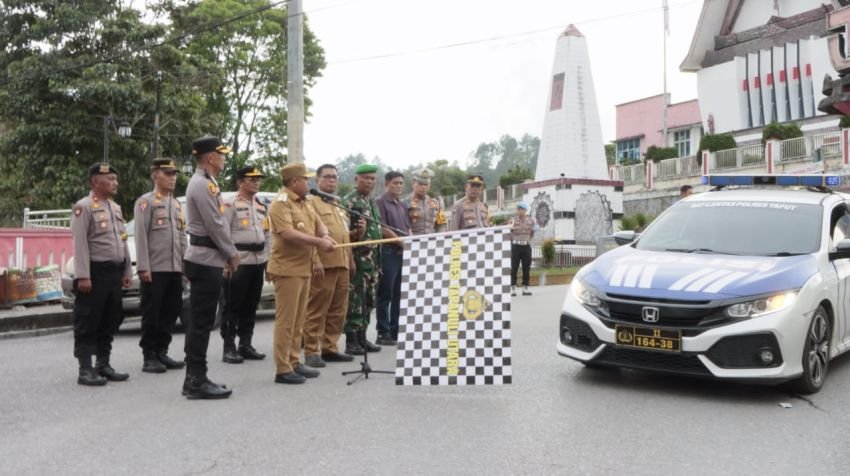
<point>365,370</point>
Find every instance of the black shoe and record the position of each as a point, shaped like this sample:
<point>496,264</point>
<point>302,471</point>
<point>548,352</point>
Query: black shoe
<point>168,362</point>
<point>290,377</point>
<point>248,352</point>
<point>364,342</point>
<point>196,387</point>
<point>306,371</point>
<point>111,374</point>
<point>386,340</point>
<point>231,356</point>
<point>336,357</point>
<point>314,361</point>
<point>89,377</point>
<point>152,364</point>
<point>352,344</point>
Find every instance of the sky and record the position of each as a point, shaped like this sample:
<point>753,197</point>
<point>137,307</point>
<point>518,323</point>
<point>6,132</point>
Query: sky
<point>394,89</point>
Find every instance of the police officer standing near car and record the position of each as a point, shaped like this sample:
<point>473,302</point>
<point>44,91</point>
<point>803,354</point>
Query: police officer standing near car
<point>211,253</point>
<point>249,229</point>
<point>160,245</point>
<point>101,267</point>
<point>522,231</point>
<point>471,212</point>
<point>426,214</point>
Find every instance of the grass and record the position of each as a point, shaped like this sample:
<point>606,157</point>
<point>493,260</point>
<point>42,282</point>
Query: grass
<point>554,271</point>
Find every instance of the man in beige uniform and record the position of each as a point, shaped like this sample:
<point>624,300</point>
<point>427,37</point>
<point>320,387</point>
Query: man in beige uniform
<point>160,245</point>
<point>296,232</point>
<point>426,214</point>
<point>210,254</point>
<point>470,211</point>
<point>328,300</point>
<point>249,229</point>
<point>101,267</point>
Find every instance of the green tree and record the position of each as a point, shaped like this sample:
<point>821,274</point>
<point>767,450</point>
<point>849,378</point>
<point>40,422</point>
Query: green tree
<point>657,154</point>
<point>611,153</point>
<point>517,174</point>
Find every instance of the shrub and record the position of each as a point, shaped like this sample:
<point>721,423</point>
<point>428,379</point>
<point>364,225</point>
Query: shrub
<point>844,122</point>
<point>636,222</point>
<point>715,142</point>
<point>788,130</point>
<point>499,220</point>
<point>656,154</point>
<point>548,252</point>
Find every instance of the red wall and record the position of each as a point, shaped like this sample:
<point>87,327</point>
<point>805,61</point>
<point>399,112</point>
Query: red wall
<point>35,247</point>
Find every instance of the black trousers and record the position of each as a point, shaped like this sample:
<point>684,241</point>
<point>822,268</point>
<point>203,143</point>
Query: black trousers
<point>203,299</point>
<point>98,314</point>
<point>520,254</point>
<point>162,300</point>
<point>241,296</point>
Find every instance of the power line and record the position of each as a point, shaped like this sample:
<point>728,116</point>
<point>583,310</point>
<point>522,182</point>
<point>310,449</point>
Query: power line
<point>498,37</point>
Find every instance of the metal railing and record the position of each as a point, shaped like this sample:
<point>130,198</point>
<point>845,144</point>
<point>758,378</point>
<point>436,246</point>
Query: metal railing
<point>566,256</point>
<point>689,166</point>
<point>829,144</point>
<point>47,219</point>
<point>752,154</point>
<point>793,149</point>
<point>726,159</point>
<point>667,168</point>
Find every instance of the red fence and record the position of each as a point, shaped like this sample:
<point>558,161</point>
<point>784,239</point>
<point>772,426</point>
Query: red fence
<point>21,248</point>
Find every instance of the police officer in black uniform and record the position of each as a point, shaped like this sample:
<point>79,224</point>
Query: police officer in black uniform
<point>211,253</point>
<point>101,267</point>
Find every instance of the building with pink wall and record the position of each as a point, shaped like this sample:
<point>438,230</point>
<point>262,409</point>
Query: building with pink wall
<point>640,124</point>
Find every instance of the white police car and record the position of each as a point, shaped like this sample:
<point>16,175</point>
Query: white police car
<point>743,283</point>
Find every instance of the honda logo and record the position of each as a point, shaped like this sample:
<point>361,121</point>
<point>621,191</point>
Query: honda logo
<point>651,314</point>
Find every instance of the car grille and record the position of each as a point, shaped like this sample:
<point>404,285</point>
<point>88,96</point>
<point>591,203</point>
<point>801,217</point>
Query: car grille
<point>692,318</point>
<point>686,364</point>
<point>741,352</point>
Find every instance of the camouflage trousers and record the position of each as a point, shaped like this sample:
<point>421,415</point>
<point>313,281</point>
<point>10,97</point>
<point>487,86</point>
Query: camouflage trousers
<point>361,300</point>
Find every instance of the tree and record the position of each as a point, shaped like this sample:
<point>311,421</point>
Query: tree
<point>517,174</point>
<point>250,53</point>
<point>506,154</point>
<point>611,153</point>
<point>657,154</point>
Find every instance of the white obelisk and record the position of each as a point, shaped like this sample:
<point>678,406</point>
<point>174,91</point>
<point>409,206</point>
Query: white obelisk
<point>572,144</point>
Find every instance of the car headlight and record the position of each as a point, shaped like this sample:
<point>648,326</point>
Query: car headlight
<point>761,306</point>
<point>588,297</point>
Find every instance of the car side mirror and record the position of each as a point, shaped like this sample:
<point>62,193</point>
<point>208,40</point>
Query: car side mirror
<point>625,237</point>
<point>842,250</point>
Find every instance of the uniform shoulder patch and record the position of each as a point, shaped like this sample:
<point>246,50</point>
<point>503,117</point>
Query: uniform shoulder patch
<point>78,211</point>
<point>281,197</point>
<point>143,205</point>
<point>213,189</point>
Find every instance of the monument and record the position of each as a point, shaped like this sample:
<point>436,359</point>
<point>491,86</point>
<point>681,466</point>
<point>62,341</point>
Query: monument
<point>572,196</point>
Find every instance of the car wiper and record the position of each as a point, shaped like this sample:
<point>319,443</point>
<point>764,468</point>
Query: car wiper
<point>699,250</point>
<point>785,253</point>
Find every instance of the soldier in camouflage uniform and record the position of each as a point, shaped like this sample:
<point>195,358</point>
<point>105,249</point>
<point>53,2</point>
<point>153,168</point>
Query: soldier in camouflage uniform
<point>367,261</point>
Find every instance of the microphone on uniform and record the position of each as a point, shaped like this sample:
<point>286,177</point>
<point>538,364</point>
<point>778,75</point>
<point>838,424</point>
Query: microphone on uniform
<point>328,197</point>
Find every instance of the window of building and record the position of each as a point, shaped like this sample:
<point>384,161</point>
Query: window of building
<point>682,142</point>
<point>628,150</point>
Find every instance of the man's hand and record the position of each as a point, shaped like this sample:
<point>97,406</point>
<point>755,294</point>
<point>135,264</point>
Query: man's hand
<point>227,272</point>
<point>145,276</point>
<point>127,281</point>
<point>327,244</point>
<point>361,228</point>
<point>233,263</point>
<point>318,271</point>
<point>84,285</point>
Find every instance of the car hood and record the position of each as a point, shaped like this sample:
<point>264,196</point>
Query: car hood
<point>682,276</point>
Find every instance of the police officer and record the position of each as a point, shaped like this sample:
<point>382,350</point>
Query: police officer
<point>249,229</point>
<point>328,300</point>
<point>101,267</point>
<point>210,254</point>
<point>297,232</point>
<point>470,211</point>
<point>426,214</point>
<point>367,260</point>
<point>160,245</point>
<point>522,231</point>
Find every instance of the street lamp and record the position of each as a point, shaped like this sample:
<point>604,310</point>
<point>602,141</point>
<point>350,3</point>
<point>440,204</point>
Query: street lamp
<point>122,128</point>
<point>188,168</point>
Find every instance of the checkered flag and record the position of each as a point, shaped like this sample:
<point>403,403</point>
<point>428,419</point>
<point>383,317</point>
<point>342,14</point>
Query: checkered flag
<point>455,323</point>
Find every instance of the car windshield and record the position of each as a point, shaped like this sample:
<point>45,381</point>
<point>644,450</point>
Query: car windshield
<point>750,228</point>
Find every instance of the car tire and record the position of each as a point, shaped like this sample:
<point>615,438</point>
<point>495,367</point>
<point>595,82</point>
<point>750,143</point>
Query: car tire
<point>815,354</point>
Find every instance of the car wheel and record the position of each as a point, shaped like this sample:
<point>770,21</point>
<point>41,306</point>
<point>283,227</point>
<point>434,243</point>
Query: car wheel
<point>815,354</point>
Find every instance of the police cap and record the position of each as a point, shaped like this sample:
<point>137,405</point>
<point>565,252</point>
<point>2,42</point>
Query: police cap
<point>205,144</point>
<point>101,169</point>
<point>249,171</point>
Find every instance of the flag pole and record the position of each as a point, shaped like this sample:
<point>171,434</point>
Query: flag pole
<point>665,7</point>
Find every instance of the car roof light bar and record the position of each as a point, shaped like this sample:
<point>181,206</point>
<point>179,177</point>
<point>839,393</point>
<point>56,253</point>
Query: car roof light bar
<point>812,180</point>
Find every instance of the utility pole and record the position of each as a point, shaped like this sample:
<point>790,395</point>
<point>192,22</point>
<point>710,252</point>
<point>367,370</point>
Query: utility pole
<point>295,82</point>
<point>156,116</point>
<point>664,66</point>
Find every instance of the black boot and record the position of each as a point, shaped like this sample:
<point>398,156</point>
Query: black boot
<point>197,386</point>
<point>230,355</point>
<point>248,352</point>
<point>352,344</point>
<point>88,376</point>
<point>364,342</point>
<point>103,368</point>
<point>151,364</point>
<point>168,362</point>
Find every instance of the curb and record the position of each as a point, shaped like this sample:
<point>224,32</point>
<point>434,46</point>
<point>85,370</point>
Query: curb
<point>36,321</point>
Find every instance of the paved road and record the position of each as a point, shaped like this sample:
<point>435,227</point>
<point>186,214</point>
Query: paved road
<point>557,418</point>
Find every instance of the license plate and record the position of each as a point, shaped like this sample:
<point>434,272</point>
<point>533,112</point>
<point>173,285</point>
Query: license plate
<point>649,338</point>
